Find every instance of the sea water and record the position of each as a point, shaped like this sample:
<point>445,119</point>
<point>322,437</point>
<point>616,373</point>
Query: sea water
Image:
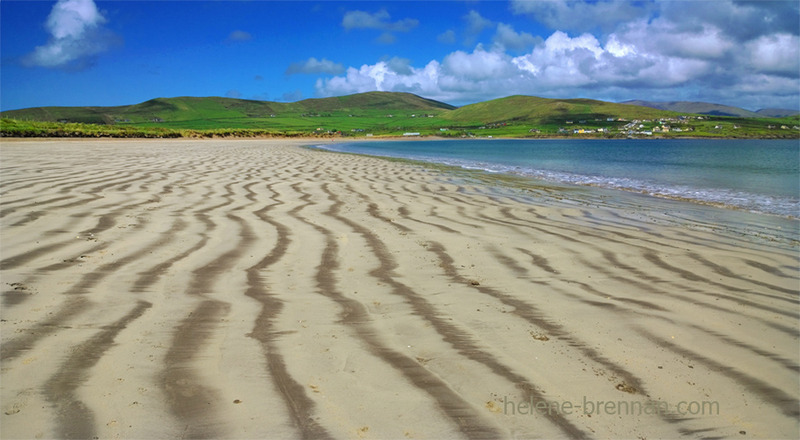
<point>754,175</point>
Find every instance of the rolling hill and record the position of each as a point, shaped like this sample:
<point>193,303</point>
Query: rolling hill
<point>520,108</point>
<point>203,110</point>
<point>391,113</point>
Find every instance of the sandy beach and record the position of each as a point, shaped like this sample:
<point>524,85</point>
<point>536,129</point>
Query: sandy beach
<point>257,289</point>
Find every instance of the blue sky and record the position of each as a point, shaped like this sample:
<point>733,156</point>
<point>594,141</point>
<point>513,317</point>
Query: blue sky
<point>85,52</point>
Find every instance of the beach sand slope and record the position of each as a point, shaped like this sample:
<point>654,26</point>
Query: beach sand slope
<point>256,289</point>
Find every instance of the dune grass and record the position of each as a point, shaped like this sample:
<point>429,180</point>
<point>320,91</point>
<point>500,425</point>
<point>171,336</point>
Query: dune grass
<point>16,128</point>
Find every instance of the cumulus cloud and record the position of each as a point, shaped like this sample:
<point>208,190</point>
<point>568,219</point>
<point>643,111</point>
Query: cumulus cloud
<point>777,54</point>
<point>314,66</point>
<point>381,77</point>
<point>561,65</point>
<point>76,35</point>
<point>480,65</point>
<point>666,50</point>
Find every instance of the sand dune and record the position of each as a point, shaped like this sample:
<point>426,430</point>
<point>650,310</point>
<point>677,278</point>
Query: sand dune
<point>256,289</point>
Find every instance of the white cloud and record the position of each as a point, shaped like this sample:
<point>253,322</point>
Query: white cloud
<point>617,49</point>
<point>670,50</point>
<point>779,54</point>
<point>76,33</point>
<point>559,44</point>
<point>381,77</point>
<point>671,72</point>
<point>560,64</point>
<point>479,65</point>
<point>671,39</point>
<point>72,18</point>
<point>314,66</point>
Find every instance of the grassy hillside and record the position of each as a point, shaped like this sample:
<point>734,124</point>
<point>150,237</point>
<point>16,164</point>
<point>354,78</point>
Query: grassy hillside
<point>374,101</point>
<point>383,113</point>
<point>544,111</point>
<point>226,111</point>
<point>87,115</point>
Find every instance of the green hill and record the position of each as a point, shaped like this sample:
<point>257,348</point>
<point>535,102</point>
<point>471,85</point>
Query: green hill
<point>374,101</point>
<point>207,111</point>
<point>385,113</point>
<point>545,111</point>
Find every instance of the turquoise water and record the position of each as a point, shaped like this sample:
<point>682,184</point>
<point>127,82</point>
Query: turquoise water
<point>754,175</point>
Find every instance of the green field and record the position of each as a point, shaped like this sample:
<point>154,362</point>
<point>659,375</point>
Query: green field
<point>383,114</point>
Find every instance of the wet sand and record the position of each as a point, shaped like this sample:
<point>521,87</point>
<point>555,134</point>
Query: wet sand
<point>256,289</point>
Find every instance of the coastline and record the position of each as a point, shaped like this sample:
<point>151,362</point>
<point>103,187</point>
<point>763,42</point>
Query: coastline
<point>513,175</point>
<point>189,287</point>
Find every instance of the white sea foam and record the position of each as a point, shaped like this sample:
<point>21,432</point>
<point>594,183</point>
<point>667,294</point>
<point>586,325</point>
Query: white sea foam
<point>770,204</point>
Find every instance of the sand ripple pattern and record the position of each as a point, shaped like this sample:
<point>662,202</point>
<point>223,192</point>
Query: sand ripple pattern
<point>256,289</point>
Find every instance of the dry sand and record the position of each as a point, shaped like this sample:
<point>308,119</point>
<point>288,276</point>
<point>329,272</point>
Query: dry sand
<point>255,289</point>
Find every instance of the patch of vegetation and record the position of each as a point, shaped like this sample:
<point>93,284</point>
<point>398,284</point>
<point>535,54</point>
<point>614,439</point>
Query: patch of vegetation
<point>16,128</point>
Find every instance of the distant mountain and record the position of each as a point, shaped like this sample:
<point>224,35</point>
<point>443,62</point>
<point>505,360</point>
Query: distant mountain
<point>777,112</point>
<point>201,111</point>
<point>546,110</point>
<point>702,108</point>
<point>374,100</point>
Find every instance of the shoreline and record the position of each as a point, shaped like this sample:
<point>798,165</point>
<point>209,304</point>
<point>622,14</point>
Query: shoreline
<point>395,137</point>
<point>522,178</point>
<point>154,291</point>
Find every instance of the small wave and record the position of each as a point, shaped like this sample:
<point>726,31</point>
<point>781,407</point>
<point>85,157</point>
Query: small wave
<point>782,206</point>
